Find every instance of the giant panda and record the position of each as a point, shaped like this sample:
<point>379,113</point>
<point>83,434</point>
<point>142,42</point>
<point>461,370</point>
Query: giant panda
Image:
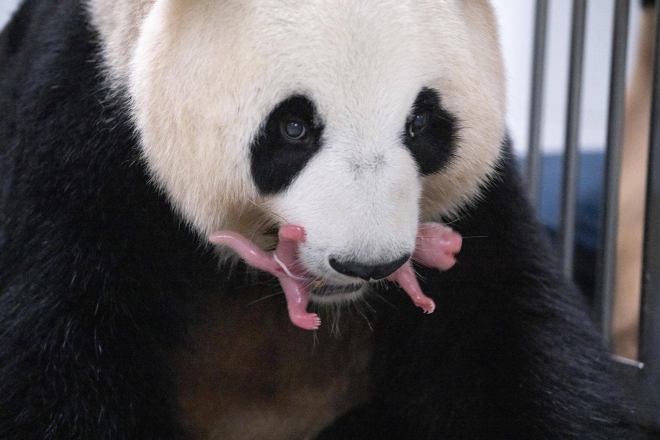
<point>131,130</point>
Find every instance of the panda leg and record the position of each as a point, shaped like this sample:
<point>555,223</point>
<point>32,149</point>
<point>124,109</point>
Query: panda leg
<point>405,277</point>
<point>247,250</point>
<point>297,299</point>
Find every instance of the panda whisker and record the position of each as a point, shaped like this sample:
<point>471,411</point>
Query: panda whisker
<point>261,225</point>
<point>418,275</point>
<point>382,283</point>
<point>370,307</point>
<point>365,302</point>
<point>264,298</point>
<point>307,284</point>
<point>336,315</point>
<point>384,300</point>
<point>368,321</point>
<point>455,220</point>
<point>267,210</point>
<point>363,313</point>
<point>298,267</point>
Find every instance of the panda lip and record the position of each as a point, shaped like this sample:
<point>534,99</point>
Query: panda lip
<point>333,289</point>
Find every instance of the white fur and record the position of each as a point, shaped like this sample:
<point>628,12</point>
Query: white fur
<point>203,75</point>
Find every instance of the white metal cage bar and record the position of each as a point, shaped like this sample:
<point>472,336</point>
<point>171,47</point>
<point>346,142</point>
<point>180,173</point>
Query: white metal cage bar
<point>649,348</point>
<point>533,163</point>
<point>568,204</point>
<point>603,301</point>
<point>646,372</point>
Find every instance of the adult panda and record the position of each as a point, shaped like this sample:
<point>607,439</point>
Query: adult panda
<point>132,129</point>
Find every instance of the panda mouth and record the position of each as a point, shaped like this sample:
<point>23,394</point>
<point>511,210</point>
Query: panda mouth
<point>436,246</point>
<point>320,289</point>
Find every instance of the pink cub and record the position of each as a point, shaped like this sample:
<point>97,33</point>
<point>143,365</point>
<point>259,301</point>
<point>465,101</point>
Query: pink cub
<point>437,246</point>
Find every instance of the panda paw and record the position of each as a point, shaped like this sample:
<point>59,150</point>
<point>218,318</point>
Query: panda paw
<point>307,321</point>
<point>425,304</point>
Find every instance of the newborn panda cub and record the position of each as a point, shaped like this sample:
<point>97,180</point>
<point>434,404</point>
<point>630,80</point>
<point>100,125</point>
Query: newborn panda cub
<point>436,246</point>
<point>226,219</point>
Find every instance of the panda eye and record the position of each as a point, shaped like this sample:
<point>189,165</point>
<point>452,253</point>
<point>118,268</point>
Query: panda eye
<point>418,122</point>
<point>294,129</point>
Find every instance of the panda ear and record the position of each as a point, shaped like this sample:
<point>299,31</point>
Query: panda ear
<point>290,137</point>
<point>433,144</point>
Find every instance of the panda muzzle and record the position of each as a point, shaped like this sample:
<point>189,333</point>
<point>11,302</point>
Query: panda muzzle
<point>436,246</point>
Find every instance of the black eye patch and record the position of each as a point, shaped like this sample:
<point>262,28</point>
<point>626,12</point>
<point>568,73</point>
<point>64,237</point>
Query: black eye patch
<point>288,140</point>
<point>430,132</point>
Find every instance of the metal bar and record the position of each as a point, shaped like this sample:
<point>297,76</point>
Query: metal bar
<point>571,151</point>
<point>649,346</point>
<point>609,215</point>
<point>533,163</point>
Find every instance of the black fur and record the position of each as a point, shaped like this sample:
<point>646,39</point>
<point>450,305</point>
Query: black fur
<point>88,306</point>
<point>94,266</point>
<point>276,160</point>
<point>435,145</point>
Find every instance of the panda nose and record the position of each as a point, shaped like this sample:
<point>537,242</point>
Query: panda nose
<point>367,272</point>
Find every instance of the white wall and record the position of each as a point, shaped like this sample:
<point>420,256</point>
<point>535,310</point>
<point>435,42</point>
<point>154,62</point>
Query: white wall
<point>516,21</point>
<point>6,8</point>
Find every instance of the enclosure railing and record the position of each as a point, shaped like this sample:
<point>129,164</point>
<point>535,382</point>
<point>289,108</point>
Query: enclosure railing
<point>649,346</point>
<point>646,370</point>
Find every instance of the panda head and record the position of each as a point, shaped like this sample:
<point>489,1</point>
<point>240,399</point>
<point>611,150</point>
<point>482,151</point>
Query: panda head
<point>354,119</point>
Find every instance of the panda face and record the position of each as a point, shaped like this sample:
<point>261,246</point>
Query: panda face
<point>356,193</point>
<point>354,119</point>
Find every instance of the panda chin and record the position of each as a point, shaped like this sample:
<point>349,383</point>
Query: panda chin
<point>336,294</point>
